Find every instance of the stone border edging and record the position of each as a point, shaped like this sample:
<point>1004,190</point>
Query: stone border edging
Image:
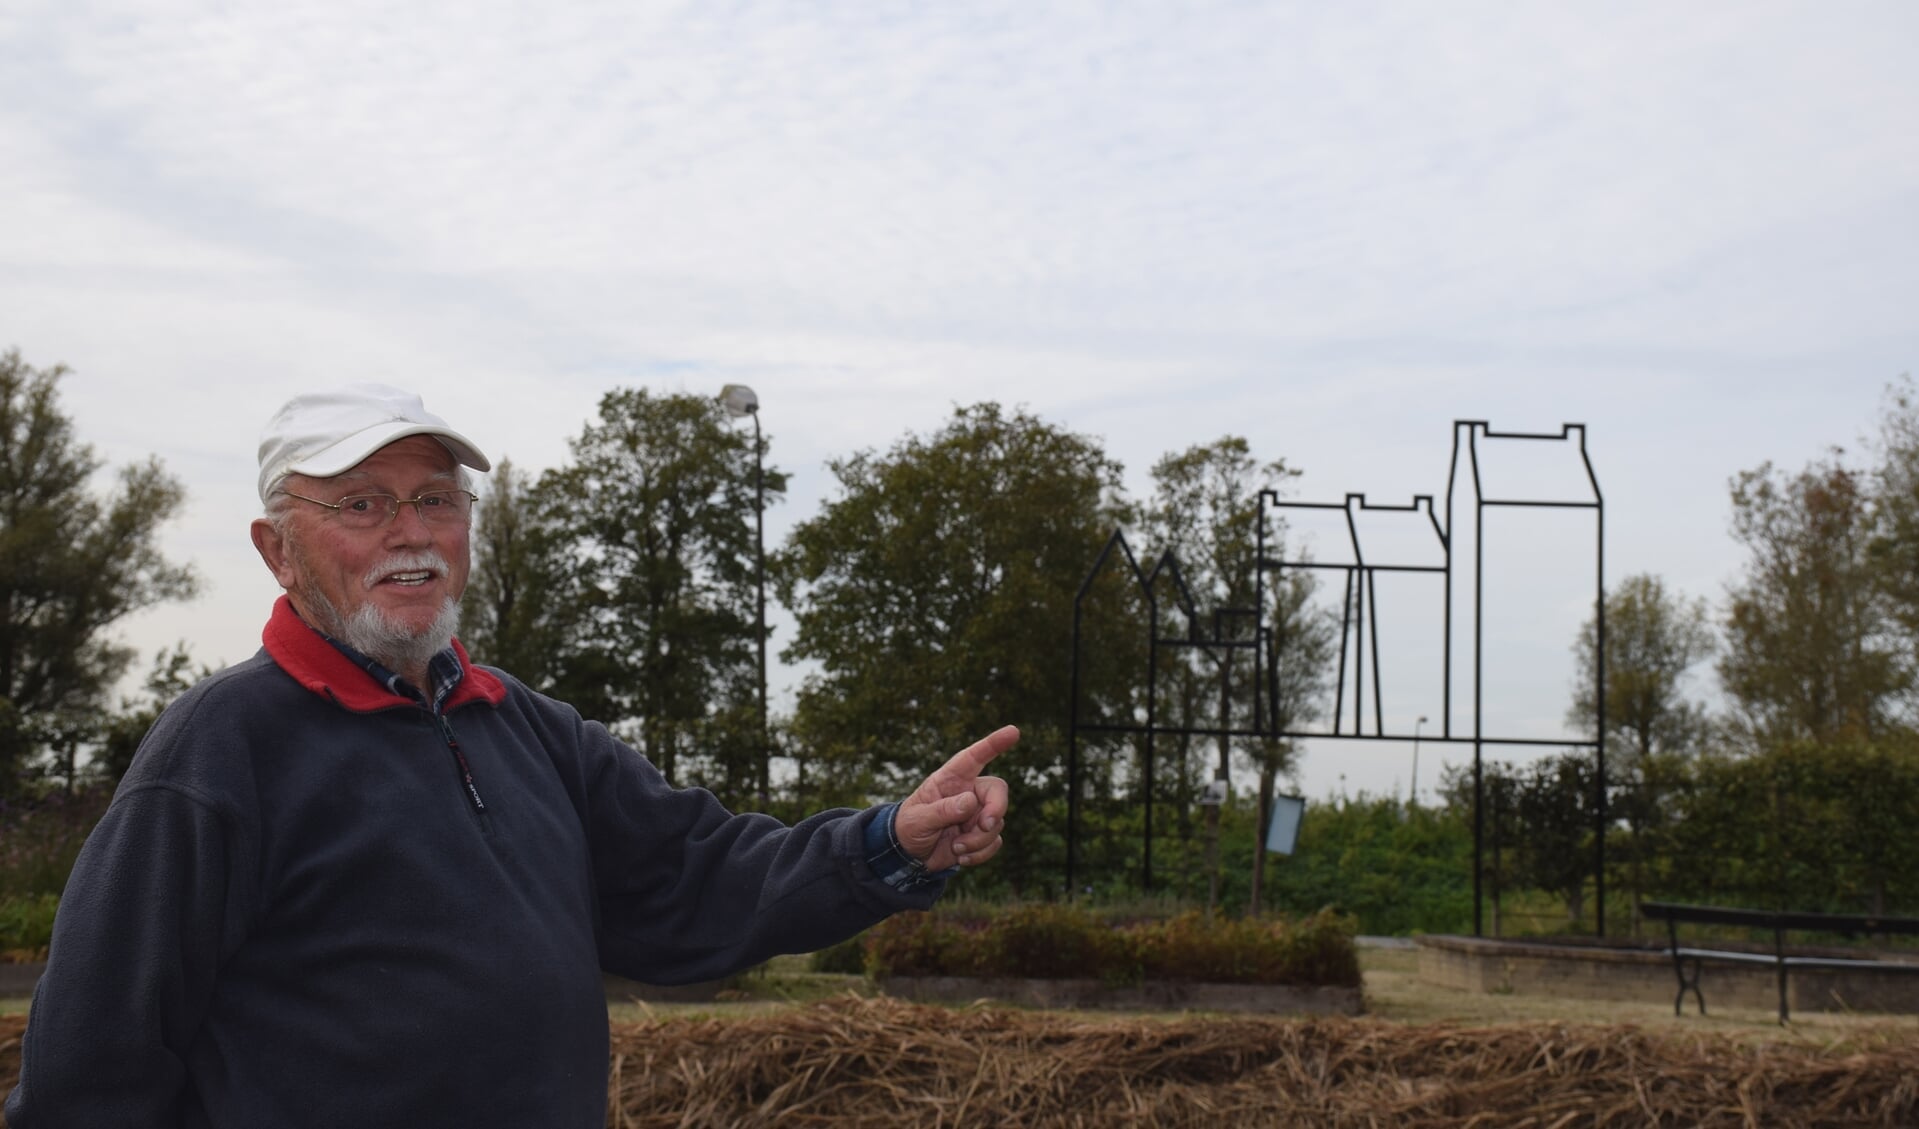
<point>17,980</point>
<point>1618,972</point>
<point>1159,995</point>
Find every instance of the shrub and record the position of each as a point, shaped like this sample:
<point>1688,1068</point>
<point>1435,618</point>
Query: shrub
<point>40,838</point>
<point>1046,941</point>
<point>26,926</point>
<point>1315,950</point>
<point>1063,942</point>
<point>847,958</point>
<point>917,944</point>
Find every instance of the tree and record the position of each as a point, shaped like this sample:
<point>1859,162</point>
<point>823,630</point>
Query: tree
<point>1812,652</point>
<point>1555,801</point>
<point>1894,549</point>
<point>71,566</point>
<point>1206,509</point>
<point>653,574</point>
<point>1538,821</point>
<point>515,614</point>
<point>1802,826</point>
<point>1653,638</point>
<point>172,674</point>
<point>934,594</point>
<point>1498,788</point>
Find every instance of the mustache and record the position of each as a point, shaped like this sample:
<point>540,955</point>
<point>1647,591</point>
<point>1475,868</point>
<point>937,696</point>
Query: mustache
<point>424,560</point>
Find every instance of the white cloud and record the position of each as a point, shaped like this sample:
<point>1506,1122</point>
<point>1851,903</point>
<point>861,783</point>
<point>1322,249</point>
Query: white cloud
<point>1333,230</point>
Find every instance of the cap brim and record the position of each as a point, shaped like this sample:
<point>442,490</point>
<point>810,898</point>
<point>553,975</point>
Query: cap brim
<point>351,451</point>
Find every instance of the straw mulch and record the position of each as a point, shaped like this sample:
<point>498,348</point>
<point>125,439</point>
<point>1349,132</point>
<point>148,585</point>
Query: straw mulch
<point>855,1062</point>
<point>880,1062</point>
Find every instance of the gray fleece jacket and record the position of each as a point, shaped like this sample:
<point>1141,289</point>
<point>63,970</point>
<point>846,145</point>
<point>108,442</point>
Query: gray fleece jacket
<point>296,911</point>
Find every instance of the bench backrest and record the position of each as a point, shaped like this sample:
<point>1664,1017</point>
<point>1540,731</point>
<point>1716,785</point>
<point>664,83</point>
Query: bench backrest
<point>1845,923</point>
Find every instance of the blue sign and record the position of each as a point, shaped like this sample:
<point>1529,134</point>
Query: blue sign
<point>1282,833</point>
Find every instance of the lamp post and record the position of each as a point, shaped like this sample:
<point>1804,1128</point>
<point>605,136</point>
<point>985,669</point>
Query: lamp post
<point>739,400</point>
<point>1413,798</point>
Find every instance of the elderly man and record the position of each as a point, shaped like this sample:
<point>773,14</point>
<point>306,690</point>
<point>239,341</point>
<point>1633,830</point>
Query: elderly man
<point>358,880</point>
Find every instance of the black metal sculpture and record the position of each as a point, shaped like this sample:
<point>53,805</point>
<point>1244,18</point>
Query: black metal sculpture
<point>1244,629</point>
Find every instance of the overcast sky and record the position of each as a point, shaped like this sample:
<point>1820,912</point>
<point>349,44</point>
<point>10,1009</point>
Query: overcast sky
<point>1332,229</point>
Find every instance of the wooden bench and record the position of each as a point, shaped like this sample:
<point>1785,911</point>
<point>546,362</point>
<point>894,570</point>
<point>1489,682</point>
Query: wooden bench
<point>1780,923</point>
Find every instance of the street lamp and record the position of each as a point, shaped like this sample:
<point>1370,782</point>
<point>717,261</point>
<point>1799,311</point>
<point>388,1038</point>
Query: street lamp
<point>1413,800</point>
<point>739,400</point>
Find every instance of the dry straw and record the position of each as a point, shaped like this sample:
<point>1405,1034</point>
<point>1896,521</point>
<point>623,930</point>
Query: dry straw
<point>881,1062</point>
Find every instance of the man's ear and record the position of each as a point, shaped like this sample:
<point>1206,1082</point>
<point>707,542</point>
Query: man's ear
<point>272,546</point>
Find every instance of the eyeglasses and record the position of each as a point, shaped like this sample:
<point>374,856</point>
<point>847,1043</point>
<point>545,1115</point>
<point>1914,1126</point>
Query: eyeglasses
<point>371,511</point>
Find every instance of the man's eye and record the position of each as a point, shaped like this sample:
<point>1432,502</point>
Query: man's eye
<point>434,501</point>
<point>358,505</point>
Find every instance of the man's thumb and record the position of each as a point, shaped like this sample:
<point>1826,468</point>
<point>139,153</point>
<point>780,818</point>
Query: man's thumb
<point>960,808</point>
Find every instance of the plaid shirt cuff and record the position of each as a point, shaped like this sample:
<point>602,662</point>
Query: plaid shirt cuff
<point>889,861</point>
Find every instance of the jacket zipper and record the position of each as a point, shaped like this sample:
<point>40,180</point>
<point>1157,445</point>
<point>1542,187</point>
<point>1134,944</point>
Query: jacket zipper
<point>460,762</point>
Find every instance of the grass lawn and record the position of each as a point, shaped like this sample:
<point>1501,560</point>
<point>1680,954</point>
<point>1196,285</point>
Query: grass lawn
<point>1393,990</point>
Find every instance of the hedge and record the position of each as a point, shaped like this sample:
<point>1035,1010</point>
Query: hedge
<point>1046,941</point>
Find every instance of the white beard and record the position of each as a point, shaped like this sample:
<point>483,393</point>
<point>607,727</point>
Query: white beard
<point>371,633</point>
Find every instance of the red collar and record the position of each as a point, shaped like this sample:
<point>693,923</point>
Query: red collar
<point>320,667</point>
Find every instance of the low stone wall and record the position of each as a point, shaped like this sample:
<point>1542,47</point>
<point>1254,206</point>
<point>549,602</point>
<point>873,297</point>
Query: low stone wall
<point>17,980</point>
<point>1482,964</point>
<point>1278,999</point>
<point>621,990</point>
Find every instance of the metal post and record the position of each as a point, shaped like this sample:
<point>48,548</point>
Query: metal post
<point>759,568</point>
<point>739,400</point>
<point>1412,797</point>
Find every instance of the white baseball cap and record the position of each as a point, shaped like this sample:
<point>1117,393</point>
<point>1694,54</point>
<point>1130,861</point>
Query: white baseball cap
<point>322,434</point>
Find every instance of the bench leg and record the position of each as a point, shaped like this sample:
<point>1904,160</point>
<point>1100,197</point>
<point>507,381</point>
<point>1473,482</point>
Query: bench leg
<point>1687,984</point>
<point>1779,951</point>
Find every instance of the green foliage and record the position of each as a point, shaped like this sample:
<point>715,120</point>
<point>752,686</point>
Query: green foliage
<point>172,674</point>
<point>920,944</point>
<point>40,837</point>
<point>71,566</point>
<point>1539,825</point>
<point>1047,941</point>
<point>626,581</point>
<point>1811,647</point>
<point>1557,809</point>
<point>847,958</point>
<point>26,925</point>
<point>1814,827</point>
<point>1068,941</point>
<point>1394,868</point>
<point>1206,511</point>
<point>513,616</point>
<point>1892,554</point>
<point>1317,950</point>
<point>936,596</point>
<point>1653,638</point>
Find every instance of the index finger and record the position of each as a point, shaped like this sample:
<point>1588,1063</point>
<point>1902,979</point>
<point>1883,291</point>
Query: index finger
<point>968,762</point>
